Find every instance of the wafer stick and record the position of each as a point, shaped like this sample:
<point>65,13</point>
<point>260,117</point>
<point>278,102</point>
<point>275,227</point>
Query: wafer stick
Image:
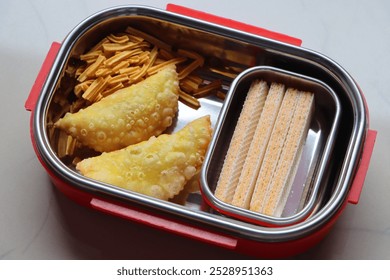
<point>274,149</point>
<point>286,168</point>
<point>257,148</point>
<point>240,142</point>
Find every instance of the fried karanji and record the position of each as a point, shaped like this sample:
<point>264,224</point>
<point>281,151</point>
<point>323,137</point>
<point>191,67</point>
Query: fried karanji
<point>159,167</point>
<point>128,116</point>
<point>125,92</point>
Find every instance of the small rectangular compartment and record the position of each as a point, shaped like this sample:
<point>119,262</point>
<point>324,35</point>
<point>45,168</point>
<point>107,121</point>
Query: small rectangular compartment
<point>307,187</point>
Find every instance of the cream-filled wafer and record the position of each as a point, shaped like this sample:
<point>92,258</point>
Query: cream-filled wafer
<point>241,140</point>
<point>274,150</point>
<point>286,168</point>
<point>257,148</point>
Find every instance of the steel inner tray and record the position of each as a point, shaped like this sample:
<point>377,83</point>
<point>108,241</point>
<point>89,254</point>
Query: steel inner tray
<point>306,191</point>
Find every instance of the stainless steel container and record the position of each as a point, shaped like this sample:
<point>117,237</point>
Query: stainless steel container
<point>226,50</point>
<point>316,152</point>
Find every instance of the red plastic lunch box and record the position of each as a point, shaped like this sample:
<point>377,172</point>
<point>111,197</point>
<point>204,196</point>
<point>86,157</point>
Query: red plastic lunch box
<point>226,45</point>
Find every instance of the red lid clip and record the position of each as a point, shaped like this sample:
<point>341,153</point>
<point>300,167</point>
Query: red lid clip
<point>42,75</point>
<point>358,182</point>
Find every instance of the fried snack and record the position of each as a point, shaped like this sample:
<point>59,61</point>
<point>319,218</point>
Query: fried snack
<point>159,167</point>
<point>129,116</point>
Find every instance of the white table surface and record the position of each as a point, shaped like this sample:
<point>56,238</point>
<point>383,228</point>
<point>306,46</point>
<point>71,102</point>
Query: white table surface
<point>38,222</point>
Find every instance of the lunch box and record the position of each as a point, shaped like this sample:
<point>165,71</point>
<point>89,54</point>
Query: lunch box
<point>336,156</point>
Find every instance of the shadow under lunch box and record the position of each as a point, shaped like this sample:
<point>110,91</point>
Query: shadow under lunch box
<point>336,154</point>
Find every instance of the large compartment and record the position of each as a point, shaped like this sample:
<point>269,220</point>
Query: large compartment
<point>227,52</point>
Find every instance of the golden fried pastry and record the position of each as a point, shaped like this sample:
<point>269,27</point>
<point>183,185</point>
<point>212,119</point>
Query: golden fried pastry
<point>159,167</point>
<point>128,116</point>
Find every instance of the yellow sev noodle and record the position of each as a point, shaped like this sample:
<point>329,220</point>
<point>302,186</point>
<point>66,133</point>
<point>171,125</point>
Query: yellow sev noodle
<point>120,60</point>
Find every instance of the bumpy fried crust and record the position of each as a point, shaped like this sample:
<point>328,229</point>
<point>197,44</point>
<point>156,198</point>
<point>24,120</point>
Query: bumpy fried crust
<point>159,167</point>
<point>128,116</point>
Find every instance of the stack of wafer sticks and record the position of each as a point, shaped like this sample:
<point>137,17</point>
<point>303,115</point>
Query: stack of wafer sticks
<point>261,161</point>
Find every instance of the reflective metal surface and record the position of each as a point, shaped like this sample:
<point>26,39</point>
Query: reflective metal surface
<point>225,50</point>
<point>316,151</point>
